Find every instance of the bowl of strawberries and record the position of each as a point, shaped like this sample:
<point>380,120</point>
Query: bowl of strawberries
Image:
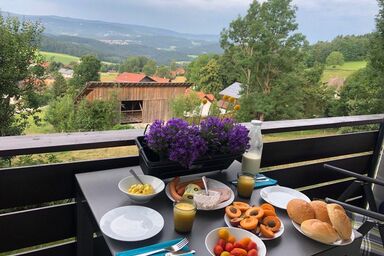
<point>228,241</point>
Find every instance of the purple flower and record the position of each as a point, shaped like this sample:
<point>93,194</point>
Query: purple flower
<point>238,139</point>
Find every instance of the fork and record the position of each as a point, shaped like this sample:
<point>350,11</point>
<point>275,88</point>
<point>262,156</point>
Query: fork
<point>173,248</point>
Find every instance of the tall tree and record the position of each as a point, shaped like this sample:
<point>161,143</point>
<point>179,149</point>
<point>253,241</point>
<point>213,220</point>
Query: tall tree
<point>150,68</point>
<point>87,70</point>
<point>265,47</point>
<point>210,78</point>
<point>163,71</point>
<point>19,74</point>
<point>59,87</point>
<point>335,58</point>
<point>133,64</point>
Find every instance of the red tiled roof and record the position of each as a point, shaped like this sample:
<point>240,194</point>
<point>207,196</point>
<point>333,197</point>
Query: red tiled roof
<point>160,79</point>
<point>177,72</point>
<point>201,95</point>
<point>127,77</point>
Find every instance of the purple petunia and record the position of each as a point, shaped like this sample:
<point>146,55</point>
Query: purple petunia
<point>183,143</point>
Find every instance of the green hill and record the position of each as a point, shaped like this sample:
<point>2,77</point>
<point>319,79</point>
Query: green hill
<point>343,71</point>
<point>59,57</point>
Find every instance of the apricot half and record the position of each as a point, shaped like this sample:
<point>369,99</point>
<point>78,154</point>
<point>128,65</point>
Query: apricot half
<point>272,222</point>
<point>235,221</point>
<point>241,206</point>
<point>249,223</point>
<point>232,212</point>
<point>256,212</point>
<point>266,232</point>
<point>267,206</point>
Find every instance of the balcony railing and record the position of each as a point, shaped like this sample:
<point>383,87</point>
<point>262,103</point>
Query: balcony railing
<point>41,213</point>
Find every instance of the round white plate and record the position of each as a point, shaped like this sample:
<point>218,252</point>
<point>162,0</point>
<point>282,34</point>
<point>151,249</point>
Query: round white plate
<point>277,234</point>
<point>280,196</point>
<point>212,184</point>
<point>131,223</point>
<point>238,233</point>
<point>338,242</point>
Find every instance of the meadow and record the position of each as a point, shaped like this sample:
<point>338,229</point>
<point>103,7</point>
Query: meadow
<point>60,57</point>
<point>343,71</point>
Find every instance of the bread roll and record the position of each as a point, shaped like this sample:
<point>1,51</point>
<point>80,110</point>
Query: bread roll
<point>320,231</point>
<point>340,221</point>
<point>320,209</point>
<point>300,210</point>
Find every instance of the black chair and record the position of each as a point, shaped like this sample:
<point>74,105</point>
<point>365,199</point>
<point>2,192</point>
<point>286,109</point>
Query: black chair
<point>372,219</point>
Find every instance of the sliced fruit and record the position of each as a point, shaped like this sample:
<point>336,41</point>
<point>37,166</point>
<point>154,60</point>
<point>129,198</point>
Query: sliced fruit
<point>267,206</point>
<point>272,222</point>
<point>232,212</point>
<point>266,232</point>
<point>241,206</point>
<point>235,221</point>
<point>249,223</point>
<point>256,212</point>
<point>269,213</point>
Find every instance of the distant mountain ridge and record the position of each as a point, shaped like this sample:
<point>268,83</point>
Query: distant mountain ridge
<point>116,41</point>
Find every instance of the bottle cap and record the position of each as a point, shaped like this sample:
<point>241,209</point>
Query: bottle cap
<point>256,122</point>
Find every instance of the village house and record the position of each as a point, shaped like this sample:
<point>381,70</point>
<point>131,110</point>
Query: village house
<point>141,102</point>
<point>127,77</point>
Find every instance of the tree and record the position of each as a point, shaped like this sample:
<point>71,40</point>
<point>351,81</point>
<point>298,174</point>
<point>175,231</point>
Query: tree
<point>266,49</point>
<point>183,104</point>
<point>19,75</point>
<point>335,58</point>
<point>163,71</point>
<point>59,87</point>
<point>210,78</point>
<point>133,64</point>
<point>150,68</point>
<point>87,70</point>
<point>193,72</point>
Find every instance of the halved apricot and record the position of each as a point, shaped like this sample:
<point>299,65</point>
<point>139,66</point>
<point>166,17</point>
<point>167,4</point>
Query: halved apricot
<point>266,232</point>
<point>232,212</point>
<point>272,222</point>
<point>249,223</point>
<point>267,206</point>
<point>269,213</point>
<point>255,211</point>
<point>241,206</point>
<point>235,221</point>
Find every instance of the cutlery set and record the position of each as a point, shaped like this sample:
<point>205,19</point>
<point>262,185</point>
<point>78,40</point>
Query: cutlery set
<point>171,250</point>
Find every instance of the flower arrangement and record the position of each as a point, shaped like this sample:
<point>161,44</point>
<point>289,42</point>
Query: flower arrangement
<point>178,141</point>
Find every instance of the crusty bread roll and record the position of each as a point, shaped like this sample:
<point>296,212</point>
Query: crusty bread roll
<point>340,221</point>
<point>300,210</point>
<point>320,209</point>
<point>320,231</point>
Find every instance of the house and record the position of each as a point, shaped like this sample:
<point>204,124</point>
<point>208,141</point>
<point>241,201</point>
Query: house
<point>141,102</point>
<point>178,72</point>
<point>66,73</point>
<point>127,77</point>
<point>206,101</point>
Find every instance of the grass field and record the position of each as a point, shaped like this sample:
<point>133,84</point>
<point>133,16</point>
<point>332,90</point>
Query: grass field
<point>60,57</point>
<point>342,71</point>
<point>106,77</point>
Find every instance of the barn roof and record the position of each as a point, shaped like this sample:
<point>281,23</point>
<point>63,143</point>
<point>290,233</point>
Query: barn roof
<point>90,86</point>
<point>133,78</point>
<point>233,90</point>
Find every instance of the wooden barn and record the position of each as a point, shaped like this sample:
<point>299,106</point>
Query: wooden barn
<point>141,102</point>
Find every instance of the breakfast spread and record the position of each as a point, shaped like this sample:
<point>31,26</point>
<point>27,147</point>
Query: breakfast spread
<point>141,189</point>
<point>227,245</point>
<point>326,223</point>
<point>261,220</point>
<point>194,190</point>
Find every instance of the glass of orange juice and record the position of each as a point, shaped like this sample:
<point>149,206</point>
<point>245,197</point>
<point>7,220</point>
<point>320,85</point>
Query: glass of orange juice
<point>184,213</point>
<point>245,184</point>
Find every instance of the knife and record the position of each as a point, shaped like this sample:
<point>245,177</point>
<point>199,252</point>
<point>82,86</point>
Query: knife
<point>180,253</point>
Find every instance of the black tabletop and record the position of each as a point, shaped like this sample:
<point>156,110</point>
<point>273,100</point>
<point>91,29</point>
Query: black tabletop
<point>102,194</point>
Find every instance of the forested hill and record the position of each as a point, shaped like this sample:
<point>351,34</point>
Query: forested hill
<point>114,41</point>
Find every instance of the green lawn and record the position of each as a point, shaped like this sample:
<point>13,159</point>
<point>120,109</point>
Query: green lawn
<point>342,71</point>
<point>107,77</point>
<point>60,57</point>
<point>42,127</point>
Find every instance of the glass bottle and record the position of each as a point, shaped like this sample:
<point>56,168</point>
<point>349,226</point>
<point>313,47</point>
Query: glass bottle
<point>252,157</point>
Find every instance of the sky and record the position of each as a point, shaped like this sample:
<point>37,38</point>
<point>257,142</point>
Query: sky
<point>317,19</point>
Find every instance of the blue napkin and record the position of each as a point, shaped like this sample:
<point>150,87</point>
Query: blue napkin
<point>153,247</point>
<point>261,183</point>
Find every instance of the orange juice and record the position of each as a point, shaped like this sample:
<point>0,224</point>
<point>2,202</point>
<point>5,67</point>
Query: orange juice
<point>245,185</point>
<point>184,215</point>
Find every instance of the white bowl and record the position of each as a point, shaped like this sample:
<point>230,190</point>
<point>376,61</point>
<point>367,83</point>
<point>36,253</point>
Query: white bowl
<point>212,238</point>
<point>157,184</point>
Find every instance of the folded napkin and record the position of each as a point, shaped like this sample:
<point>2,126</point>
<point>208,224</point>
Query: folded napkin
<point>153,247</point>
<point>261,183</point>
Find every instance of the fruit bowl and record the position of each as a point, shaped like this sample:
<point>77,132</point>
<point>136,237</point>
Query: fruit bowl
<point>157,184</point>
<point>211,240</point>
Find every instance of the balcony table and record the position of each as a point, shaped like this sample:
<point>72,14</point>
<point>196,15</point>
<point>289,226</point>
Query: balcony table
<point>101,194</point>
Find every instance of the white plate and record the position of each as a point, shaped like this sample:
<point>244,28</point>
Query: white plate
<point>212,184</point>
<point>212,237</point>
<point>131,223</point>
<point>338,242</point>
<point>280,196</point>
<point>277,234</point>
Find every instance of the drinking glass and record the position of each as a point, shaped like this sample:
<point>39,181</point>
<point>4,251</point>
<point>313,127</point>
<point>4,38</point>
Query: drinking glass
<point>245,184</point>
<point>184,213</point>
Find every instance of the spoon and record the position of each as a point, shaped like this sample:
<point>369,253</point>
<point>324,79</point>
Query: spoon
<point>136,177</point>
<point>205,184</point>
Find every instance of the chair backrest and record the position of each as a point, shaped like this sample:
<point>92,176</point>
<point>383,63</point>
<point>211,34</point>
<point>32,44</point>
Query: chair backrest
<point>378,191</point>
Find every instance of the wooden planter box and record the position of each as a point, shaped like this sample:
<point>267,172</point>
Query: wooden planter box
<point>151,165</point>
